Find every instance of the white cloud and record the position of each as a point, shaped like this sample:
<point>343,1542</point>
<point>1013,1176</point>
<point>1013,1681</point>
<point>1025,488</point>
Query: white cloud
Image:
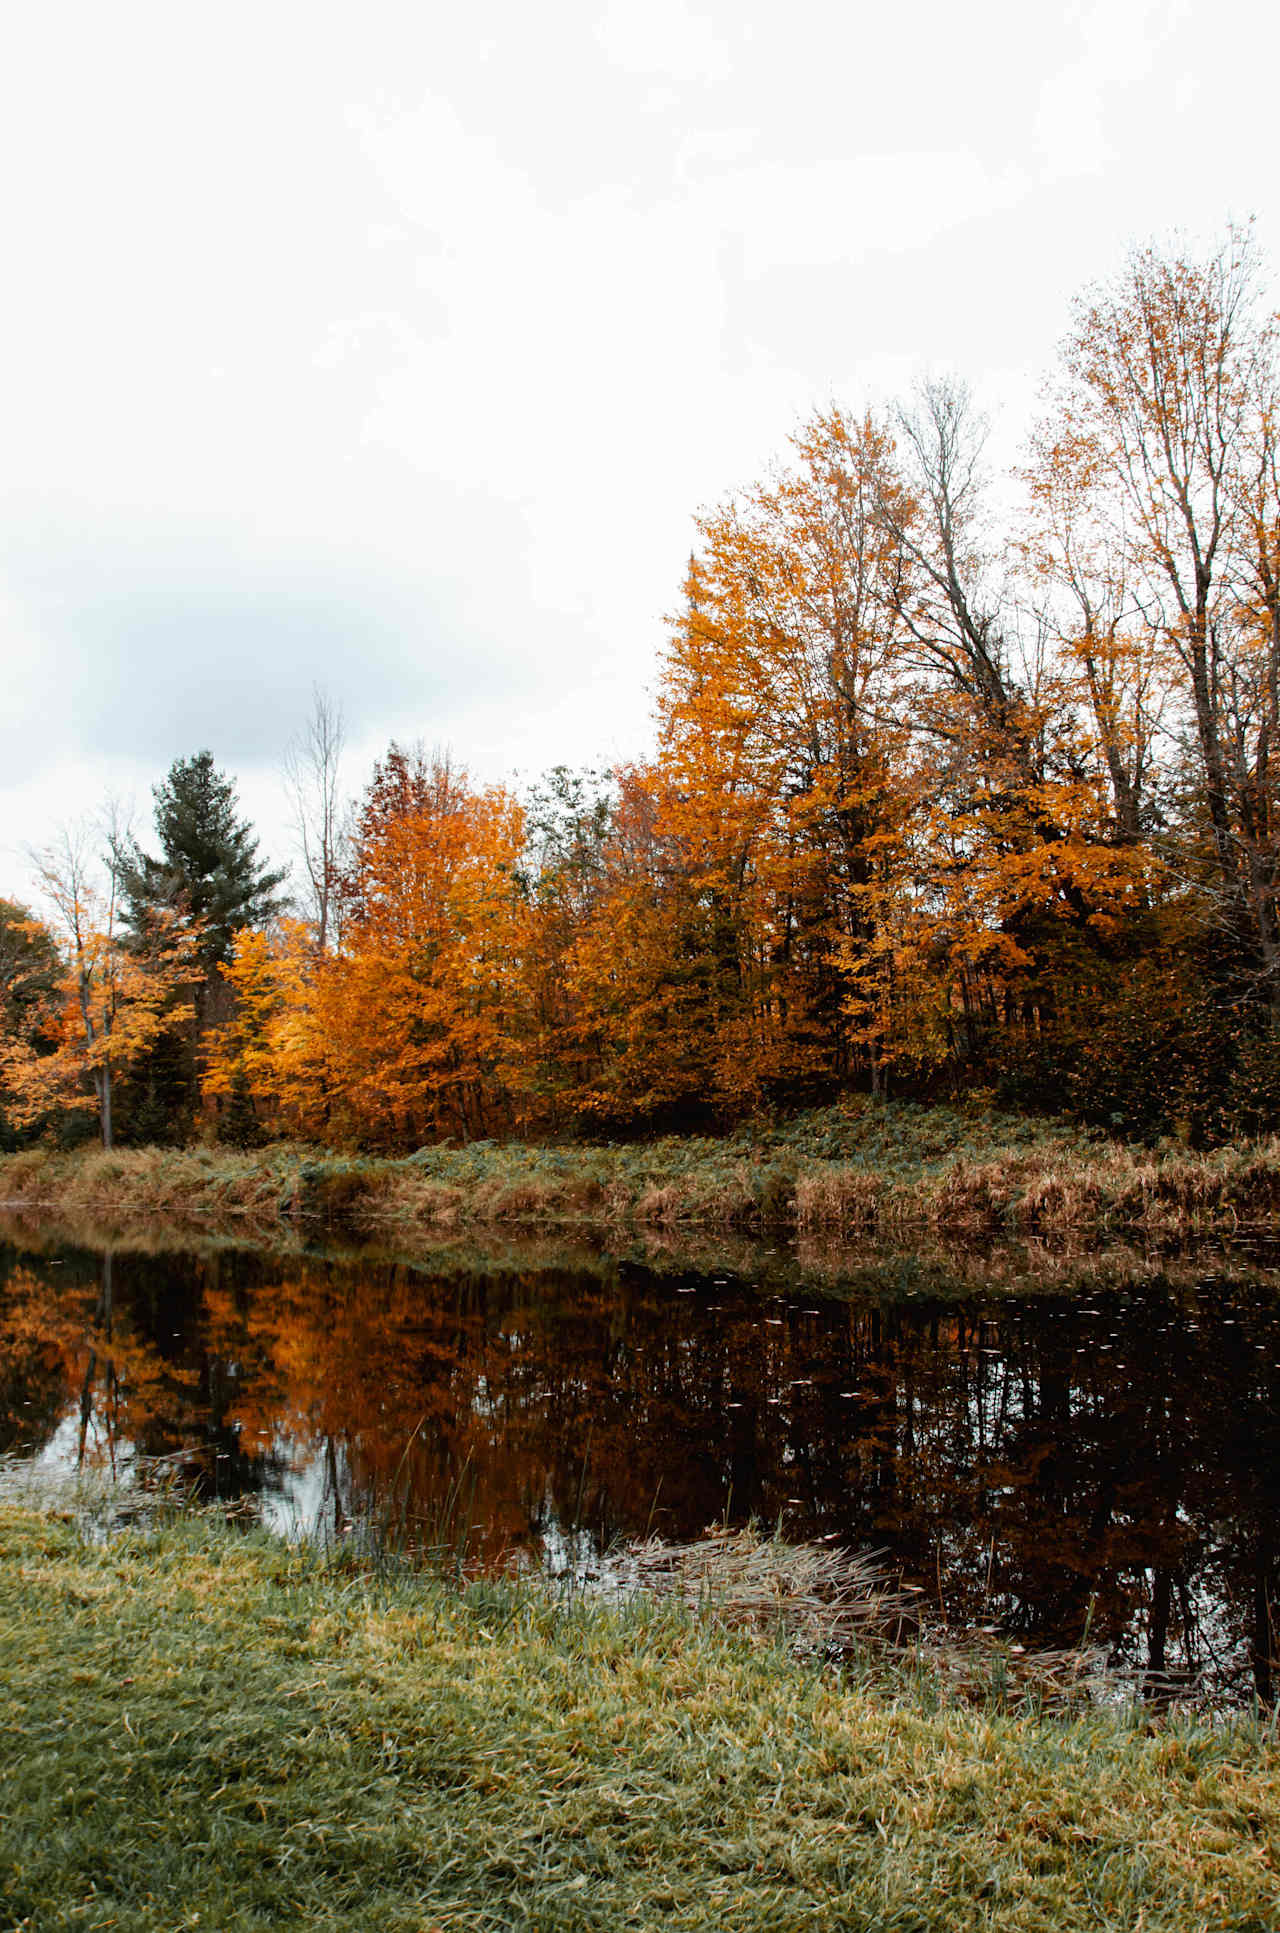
<point>396,347</point>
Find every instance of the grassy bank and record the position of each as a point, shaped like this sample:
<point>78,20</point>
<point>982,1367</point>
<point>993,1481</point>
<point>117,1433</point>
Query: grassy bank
<point>209,1730</point>
<point>833,1172</point>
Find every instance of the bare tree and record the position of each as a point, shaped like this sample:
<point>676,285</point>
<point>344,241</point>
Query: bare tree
<point>951,600</point>
<point>89,917</point>
<point>312,773</point>
<point>1082,578</point>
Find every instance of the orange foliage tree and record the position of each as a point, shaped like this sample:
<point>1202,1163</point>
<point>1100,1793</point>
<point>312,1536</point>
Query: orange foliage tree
<point>652,977</point>
<point>934,791</point>
<point>408,1030</point>
<point>874,766</point>
<point>781,750</point>
<point>573,839</point>
<point>1023,876</point>
<point>112,1001</point>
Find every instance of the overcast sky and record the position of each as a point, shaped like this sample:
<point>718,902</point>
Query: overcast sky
<point>393,347</point>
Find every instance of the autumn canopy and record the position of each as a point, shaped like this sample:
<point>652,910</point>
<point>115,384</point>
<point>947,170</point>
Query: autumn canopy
<point>959,782</point>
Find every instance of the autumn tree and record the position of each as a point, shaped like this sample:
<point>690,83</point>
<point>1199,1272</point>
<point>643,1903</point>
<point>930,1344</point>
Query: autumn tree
<point>267,1062</point>
<point>1164,407</point>
<point>113,996</point>
<point>779,742</point>
<point>871,749</point>
<point>420,1010</point>
<point>30,970</point>
<point>406,1032</point>
<point>569,818</point>
<point>650,983</point>
<point>1026,875</point>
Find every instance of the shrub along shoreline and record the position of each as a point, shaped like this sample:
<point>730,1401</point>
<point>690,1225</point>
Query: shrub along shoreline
<point>832,1172</point>
<point>206,1727</point>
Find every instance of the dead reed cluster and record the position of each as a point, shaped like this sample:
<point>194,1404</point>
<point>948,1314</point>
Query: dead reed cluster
<point>823,1596</point>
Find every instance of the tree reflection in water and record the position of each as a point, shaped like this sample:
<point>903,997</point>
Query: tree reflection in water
<point>1051,1464</point>
<point>83,1372</point>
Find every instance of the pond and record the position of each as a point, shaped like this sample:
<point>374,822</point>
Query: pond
<point>1057,1446</point>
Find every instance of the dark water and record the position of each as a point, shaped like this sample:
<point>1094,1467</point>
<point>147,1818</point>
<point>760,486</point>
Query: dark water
<point>1091,1450</point>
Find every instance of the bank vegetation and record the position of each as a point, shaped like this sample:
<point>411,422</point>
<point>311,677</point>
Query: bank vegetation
<point>834,1173</point>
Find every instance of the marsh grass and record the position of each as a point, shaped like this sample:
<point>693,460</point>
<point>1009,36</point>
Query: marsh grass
<point>207,1729</point>
<point>814,1591</point>
<point>844,1606</point>
<point>835,1172</point>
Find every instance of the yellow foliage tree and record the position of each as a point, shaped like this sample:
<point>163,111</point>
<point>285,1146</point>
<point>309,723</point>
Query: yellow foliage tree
<point>271,1046</point>
<point>112,1002</point>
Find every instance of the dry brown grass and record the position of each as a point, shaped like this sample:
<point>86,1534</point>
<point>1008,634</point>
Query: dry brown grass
<point>175,1182</point>
<point>659,1207</point>
<point>838,1199</point>
<point>824,1596</point>
<point>934,1178</point>
<point>408,1198</point>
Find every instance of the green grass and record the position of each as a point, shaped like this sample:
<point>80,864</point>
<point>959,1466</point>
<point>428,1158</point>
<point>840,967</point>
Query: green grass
<point>832,1172</point>
<point>207,1729</point>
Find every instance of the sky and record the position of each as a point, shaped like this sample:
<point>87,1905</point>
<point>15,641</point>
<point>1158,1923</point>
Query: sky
<point>394,348</point>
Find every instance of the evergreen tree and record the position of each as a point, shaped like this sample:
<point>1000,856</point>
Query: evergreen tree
<point>208,872</point>
<point>209,867</point>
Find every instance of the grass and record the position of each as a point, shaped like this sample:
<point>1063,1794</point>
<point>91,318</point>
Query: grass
<point>834,1172</point>
<point>207,1729</point>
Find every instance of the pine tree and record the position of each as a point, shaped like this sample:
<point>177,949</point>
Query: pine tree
<point>209,877</point>
<point>209,870</point>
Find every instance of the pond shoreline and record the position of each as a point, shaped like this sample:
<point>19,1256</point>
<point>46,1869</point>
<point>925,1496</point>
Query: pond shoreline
<point>205,1722</point>
<point>833,1173</point>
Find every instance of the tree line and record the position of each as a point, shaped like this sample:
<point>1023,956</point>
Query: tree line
<point>962,783</point>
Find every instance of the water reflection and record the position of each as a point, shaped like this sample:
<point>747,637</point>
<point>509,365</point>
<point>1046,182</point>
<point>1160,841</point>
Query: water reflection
<point>1050,1463</point>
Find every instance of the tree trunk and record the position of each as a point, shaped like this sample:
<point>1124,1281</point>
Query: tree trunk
<point>102,1081</point>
